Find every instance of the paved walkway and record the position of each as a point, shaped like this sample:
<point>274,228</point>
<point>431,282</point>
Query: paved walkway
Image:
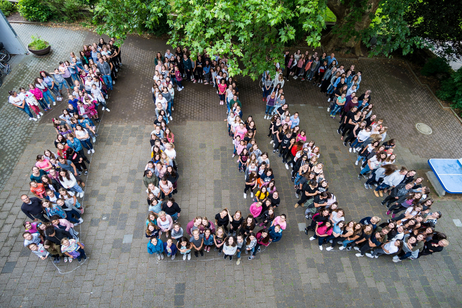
<point>291,273</point>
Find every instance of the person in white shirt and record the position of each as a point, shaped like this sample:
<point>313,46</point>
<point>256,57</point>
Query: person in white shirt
<point>389,248</point>
<point>16,101</point>
<point>160,99</point>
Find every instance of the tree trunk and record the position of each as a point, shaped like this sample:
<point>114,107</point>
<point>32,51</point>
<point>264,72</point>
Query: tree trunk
<point>334,41</point>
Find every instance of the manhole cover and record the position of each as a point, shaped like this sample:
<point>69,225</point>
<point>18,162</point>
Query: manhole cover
<point>424,128</point>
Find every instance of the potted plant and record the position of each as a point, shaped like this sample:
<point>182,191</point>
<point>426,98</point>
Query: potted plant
<point>38,46</point>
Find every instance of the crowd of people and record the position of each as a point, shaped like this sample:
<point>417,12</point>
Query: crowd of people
<point>229,234</point>
<point>56,207</point>
<point>410,230</point>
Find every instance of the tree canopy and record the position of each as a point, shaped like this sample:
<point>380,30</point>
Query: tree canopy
<point>257,32</point>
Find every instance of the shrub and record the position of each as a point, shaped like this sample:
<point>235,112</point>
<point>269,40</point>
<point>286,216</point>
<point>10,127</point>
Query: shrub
<point>7,7</point>
<point>436,66</point>
<point>45,10</point>
<point>34,10</point>
<point>451,89</point>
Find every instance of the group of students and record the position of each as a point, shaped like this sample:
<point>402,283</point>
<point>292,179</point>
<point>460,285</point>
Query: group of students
<point>55,182</point>
<point>84,79</point>
<point>229,234</point>
<point>410,231</point>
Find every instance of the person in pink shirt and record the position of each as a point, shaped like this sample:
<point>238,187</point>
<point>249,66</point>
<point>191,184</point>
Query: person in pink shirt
<point>241,130</point>
<point>281,221</point>
<point>322,232</point>
<point>256,209</point>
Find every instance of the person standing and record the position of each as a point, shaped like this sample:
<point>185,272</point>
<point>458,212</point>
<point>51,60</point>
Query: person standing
<point>105,70</point>
<point>16,101</point>
<point>32,208</point>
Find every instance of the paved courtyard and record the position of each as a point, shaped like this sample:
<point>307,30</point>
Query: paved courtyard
<point>290,273</point>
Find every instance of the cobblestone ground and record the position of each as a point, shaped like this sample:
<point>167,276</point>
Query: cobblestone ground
<point>291,273</point>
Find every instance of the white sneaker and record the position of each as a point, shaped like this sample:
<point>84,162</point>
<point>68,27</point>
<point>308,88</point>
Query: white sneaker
<point>341,248</point>
<point>171,119</point>
<point>38,116</point>
<point>271,142</point>
<point>180,89</point>
<point>70,260</point>
<point>359,255</point>
<point>107,109</point>
<point>357,248</point>
<point>161,256</point>
<point>370,256</point>
<point>312,238</point>
<point>350,150</point>
<point>328,109</point>
<point>107,96</point>
<point>184,257</point>
<point>320,247</point>
<point>93,150</point>
<point>158,257</point>
<point>104,108</point>
<point>66,259</point>
<point>189,257</point>
<point>245,196</point>
<point>251,194</point>
<point>173,257</point>
<point>287,166</point>
<point>82,194</point>
<point>88,152</point>
<point>41,113</point>
<point>93,139</point>
<point>54,103</point>
<point>330,248</point>
<point>32,119</point>
<point>356,163</point>
<point>113,82</point>
<point>173,108</point>
<point>80,221</point>
<point>328,100</point>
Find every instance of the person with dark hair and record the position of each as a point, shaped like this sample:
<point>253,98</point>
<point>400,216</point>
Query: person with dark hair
<point>32,208</point>
<point>16,101</point>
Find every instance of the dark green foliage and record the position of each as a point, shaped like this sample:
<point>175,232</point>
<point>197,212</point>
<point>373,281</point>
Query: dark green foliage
<point>45,10</point>
<point>438,22</point>
<point>436,66</point>
<point>451,89</point>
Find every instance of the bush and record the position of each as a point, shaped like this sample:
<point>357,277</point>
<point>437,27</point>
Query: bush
<point>45,10</point>
<point>7,7</point>
<point>34,10</point>
<point>436,66</point>
<point>451,89</point>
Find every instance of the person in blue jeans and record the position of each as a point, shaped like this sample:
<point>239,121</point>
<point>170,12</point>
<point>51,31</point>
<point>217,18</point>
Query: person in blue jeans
<point>240,247</point>
<point>172,208</point>
<point>76,145</point>
<point>39,83</point>
<point>270,102</point>
<point>16,101</point>
<point>105,70</point>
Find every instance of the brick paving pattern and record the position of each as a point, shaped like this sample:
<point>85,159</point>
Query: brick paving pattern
<point>290,273</point>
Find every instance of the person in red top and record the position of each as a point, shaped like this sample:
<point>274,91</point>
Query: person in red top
<point>37,189</point>
<point>322,232</point>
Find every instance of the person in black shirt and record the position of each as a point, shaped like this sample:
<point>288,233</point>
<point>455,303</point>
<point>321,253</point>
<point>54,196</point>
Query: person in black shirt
<point>32,208</point>
<point>77,160</point>
<point>171,208</point>
<point>222,219</point>
<point>56,235</point>
<point>309,190</point>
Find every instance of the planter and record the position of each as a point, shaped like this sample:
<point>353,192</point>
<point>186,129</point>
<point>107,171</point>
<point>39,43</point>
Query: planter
<point>40,52</point>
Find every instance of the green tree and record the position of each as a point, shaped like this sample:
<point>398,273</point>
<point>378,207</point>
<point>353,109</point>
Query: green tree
<point>117,18</point>
<point>439,23</point>
<point>253,31</point>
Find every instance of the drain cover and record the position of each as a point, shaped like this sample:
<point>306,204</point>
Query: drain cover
<point>424,128</point>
